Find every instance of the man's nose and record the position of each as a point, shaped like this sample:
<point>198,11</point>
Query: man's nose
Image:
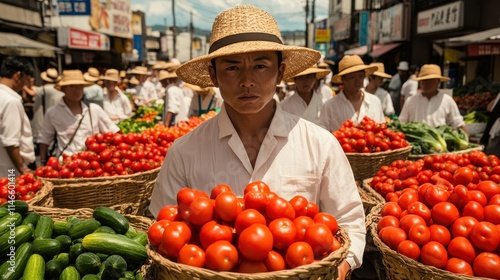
<point>247,78</point>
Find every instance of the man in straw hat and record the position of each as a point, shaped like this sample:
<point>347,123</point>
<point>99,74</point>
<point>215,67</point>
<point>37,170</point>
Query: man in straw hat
<point>352,102</point>
<point>204,101</point>
<point>252,138</point>
<point>16,150</point>
<point>115,103</point>
<point>322,86</point>
<point>71,121</point>
<point>432,106</point>
<point>175,108</point>
<point>93,93</point>
<point>145,90</point>
<point>306,103</point>
<point>375,82</point>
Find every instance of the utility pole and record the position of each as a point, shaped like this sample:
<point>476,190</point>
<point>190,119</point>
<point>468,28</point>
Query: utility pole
<point>191,31</point>
<point>174,29</point>
<point>307,23</point>
<point>313,15</point>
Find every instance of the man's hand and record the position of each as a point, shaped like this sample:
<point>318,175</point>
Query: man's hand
<point>343,269</point>
<point>25,171</point>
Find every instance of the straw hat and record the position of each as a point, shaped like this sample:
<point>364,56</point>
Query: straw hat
<point>195,87</point>
<point>323,65</point>
<point>50,76</point>
<point>133,81</point>
<point>350,64</point>
<point>139,70</point>
<point>403,66</point>
<point>159,65</point>
<point>380,70</point>
<point>164,74</point>
<point>327,61</point>
<point>245,29</point>
<point>123,74</point>
<point>125,80</point>
<point>320,73</point>
<point>111,75</point>
<point>431,71</point>
<point>92,75</point>
<point>72,77</point>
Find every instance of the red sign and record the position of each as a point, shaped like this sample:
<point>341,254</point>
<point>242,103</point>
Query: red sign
<point>483,49</point>
<point>80,39</point>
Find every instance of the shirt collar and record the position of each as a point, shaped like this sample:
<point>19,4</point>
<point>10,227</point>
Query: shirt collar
<point>61,103</point>
<point>366,100</point>
<point>11,92</point>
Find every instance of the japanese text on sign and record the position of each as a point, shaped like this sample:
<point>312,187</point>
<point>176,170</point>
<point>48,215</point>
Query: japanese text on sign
<point>445,17</point>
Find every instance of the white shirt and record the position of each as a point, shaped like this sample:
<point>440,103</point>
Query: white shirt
<point>296,158</point>
<point>15,130</point>
<point>385,99</point>
<point>439,110</point>
<point>208,102</point>
<point>409,88</point>
<point>325,92</point>
<point>188,96</point>
<point>118,107</point>
<point>59,119</point>
<point>339,109</point>
<point>495,129</point>
<point>175,103</point>
<point>297,106</point>
<point>51,97</point>
<point>146,92</point>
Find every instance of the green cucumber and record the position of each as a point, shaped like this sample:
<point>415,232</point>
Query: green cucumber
<point>52,269</point>
<point>129,275</point>
<point>116,265</point>
<point>141,238</point>
<point>87,263</point>
<point>3,212</point>
<point>44,228</point>
<point>62,259</point>
<point>65,242</point>
<point>22,234</point>
<point>75,251</point>
<point>9,221</point>
<point>105,229</point>
<point>47,248</point>
<point>111,218</point>
<point>91,277</point>
<point>108,243</point>
<point>83,228</point>
<point>79,240</point>
<point>32,218</point>
<point>72,220</point>
<point>70,273</point>
<point>17,206</point>
<point>60,228</point>
<point>131,232</point>
<point>22,255</point>
<point>35,268</point>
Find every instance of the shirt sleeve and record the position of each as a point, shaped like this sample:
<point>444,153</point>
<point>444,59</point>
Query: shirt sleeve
<point>173,104</point>
<point>389,107</point>
<point>48,130</point>
<point>127,109</point>
<point>11,129</point>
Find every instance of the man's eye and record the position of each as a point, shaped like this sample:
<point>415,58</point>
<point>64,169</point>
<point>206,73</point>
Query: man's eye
<point>260,66</point>
<point>231,68</point>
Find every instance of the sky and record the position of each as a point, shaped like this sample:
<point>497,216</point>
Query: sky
<point>290,14</point>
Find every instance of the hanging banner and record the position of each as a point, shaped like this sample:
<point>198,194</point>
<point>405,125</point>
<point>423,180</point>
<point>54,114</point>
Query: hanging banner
<point>391,24</point>
<point>80,39</point>
<point>483,49</point>
<point>112,17</point>
<point>363,27</point>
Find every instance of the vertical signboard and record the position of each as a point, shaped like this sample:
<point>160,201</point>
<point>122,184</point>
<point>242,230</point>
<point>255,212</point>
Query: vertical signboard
<point>363,27</point>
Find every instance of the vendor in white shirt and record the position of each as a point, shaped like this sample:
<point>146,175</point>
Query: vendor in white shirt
<point>431,105</point>
<point>306,103</point>
<point>375,82</point>
<point>145,91</point>
<point>175,108</point>
<point>71,120</point>
<point>352,102</point>
<point>115,103</point>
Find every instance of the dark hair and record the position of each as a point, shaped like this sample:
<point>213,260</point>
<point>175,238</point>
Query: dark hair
<point>278,53</point>
<point>413,68</point>
<point>13,64</point>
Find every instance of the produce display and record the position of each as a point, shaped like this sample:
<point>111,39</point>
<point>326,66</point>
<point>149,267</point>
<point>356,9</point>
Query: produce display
<point>473,101</point>
<point>144,118</point>
<point>475,117</point>
<point>369,137</point>
<point>102,247</point>
<point>26,186</point>
<point>443,211</point>
<point>258,232</point>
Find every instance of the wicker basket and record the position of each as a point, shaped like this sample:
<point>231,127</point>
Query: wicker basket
<point>368,200</point>
<point>473,147</point>
<point>366,165</point>
<point>400,267</point>
<point>373,193</point>
<point>78,193</point>
<point>43,196</point>
<point>323,269</point>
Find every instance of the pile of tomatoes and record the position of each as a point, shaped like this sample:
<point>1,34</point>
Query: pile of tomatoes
<point>258,232</point>
<point>24,188</point>
<point>444,212</point>
<point>369,137</point>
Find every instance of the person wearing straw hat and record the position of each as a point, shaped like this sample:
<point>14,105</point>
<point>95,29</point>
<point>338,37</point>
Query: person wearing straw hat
<point>375,82</point>
<point>410,87</point>
<point>204,101</point>
<point>16,150</point>
<point>72,121</point>
<point>175,108</point>
<point>322,86</point>
<point>352,102</point>
<point>93,93</point>
<point>145,90</point>
<point>432,106</point>
<point>252,138</point>
<point>115,103</point>
<point>306,103</point>
<point>396,83</point>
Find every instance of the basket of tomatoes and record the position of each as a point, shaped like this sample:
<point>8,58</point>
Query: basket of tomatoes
<point>27,188</point>
<point>370,145</point>
<point>222,236</point>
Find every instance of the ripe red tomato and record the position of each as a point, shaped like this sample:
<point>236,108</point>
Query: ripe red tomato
<point>486,265</point>
<point>256,200</point>
<point>393,236</point>
<point>391,209</point>
<point>460,247</point>
<point>168,213</point>
<point>221,256</point>
<point>312,209</point>
<point>219,189</point>
<point>320,237</point>
<point>227,206</point>
<point>175,236</point>
<point>410,249</point>
<point>278,207</point>
<point>495,199</point>
<point>492,214</point>
<point>212,232</point>
<point>155,232</point>
<point>247,266</point>
<point>435,194</point>
<point>485,236</point>
<point>387,221</point>
<point>440,234</point>
<point>420,209</point>
<point>459,266</point>
<point>200,211</point>
<point>462,226</point>
<point>473,209</point>
<point>476,195</point>
<point>327,219</point>
<point>274,261</point>
<point>299,253</point>
<point>463,176</point>
<point>489,188</point>
<point>257,186</point>
<point>419,234</point>
<point>407,221</point>
<point>192,255</point>
<point>299,204</point>
<point>434,253</point>
<point>301,224</point>
<point>445,213</point>
<point>284,232</point>
<point>406,199</point>
<point>255,242</point>
<point>246,218</point>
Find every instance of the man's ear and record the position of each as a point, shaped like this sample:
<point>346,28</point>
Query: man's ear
<point>281,72</point>
<point>213,75</point>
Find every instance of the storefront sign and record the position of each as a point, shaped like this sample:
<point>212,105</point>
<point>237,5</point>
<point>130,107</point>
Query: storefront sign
<point>446,17</point>
<point>74,7</point>
<point>483,49</point>
<point>391,24</point>
<point>341,28</point>
<point>322,35</point>
<point>136,24</point>
<point>112,17</point>
<point>80,39</point>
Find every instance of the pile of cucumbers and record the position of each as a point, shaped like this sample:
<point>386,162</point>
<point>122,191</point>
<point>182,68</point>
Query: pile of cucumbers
<point>34,246</point>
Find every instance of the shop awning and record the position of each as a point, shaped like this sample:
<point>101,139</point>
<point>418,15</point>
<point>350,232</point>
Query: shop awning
<point>359,51</point>
<point>487,36</point>
<point>379,50</point>
<point>15,44</point>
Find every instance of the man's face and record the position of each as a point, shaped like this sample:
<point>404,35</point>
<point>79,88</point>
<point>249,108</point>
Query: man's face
<point>20,80</point>
<point>378,81</point>
<point>73,92</point>
<point>353,81</point>
<point>247,82</point>
<point>305,83</point>
<point>429,85</point>
<point>110,85</point>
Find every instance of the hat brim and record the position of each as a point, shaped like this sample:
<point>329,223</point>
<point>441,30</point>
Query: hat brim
<point>46,78</point>
<point>61,84</point>
<point>320,73</point>
<point>90,78</point>
<point>138,73</point>
<point>433,76</point>
<point>367,68</point>
<point>104,78</point>
<point>296,59</point>
<point>382,74</point>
